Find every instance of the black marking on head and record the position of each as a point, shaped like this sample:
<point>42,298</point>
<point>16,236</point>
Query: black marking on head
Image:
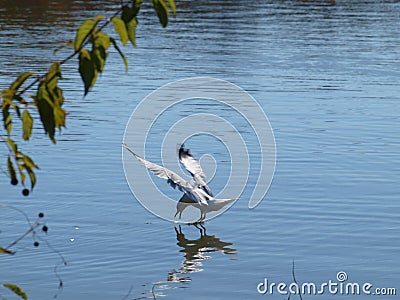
<point>183,152</point>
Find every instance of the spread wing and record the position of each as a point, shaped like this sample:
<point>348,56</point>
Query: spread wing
<point>194,168</point>
<point>173,179</point>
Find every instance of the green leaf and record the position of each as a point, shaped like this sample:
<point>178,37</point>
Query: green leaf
<point>50,84</point>
<point>162,11</point>
<point>17,290</point>
<point>45,107</point>
<point>59,117</point>
<point>32,175</point>
<point>10,168</point>
<point>120,53</point>
<point>7,119</point>
<point>101,40</point>
<point>87,70</point>
<point>48,96</point>
<point>20,80</point>
<point>99,52</point>
<point>12,145</point>
<point>97,19</point>
<point>131,29</point>
<point>52,76</point>
<point>98,57</point>
<point>129,17</point>
<point>127,14</point>
<point>136,4</point>
<point>21,173</point>
<point>29,162</point>
<point>85,30</point>
<point>172,6</point>
<point>17,110</point>
<point>49,99</point>
<point>120,28</point>
<point>27,123</point>
<point>8,95</point>
<point>54,92</point>
<point>25,164</point>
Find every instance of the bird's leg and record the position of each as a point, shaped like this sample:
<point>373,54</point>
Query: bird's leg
<point>200,219</point>
<point>178,231</point>
<point>177,212</point>
<point>202,229</point>
<point>203,216</point>
<point>197,226</point>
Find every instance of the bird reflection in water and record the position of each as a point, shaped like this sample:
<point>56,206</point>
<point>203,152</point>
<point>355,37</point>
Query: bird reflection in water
<point>195,251</point>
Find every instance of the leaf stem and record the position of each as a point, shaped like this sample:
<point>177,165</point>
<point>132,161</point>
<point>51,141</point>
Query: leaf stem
<point>32,228</point>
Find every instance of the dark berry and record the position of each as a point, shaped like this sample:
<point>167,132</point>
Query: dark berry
<point>36,244</point>
<point>45,228</point>
<point>25,192</point>
<point>41,215</point>
<point>14,181</point>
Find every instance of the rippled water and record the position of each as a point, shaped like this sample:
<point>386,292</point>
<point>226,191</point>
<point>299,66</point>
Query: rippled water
<point>327,75</point>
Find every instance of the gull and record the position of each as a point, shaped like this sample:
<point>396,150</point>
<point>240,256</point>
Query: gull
<point>196,192</point>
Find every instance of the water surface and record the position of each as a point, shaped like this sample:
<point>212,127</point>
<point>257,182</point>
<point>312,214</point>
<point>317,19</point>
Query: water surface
<point>327,75</point>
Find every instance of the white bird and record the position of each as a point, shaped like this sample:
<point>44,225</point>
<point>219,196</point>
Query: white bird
<point>196,193</point>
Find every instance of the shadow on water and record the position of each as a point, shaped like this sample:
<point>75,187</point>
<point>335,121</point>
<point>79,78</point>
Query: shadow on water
<point>195,252</point>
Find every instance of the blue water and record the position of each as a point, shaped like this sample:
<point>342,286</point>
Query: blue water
<point>327,77</point>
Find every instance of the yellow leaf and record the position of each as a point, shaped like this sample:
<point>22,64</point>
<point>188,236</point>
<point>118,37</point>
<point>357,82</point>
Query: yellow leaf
<point>17,290</point>
<point>120,28</point>
<point>5,251</point>
<point>27,123</point>
<point>85,30</point>
<point>172,6</point>
<point>20,80</point>
<point>131,28</point>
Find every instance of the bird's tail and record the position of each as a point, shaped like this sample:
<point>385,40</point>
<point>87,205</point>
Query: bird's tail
<point>228,199</point>
<point>220,203</point>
